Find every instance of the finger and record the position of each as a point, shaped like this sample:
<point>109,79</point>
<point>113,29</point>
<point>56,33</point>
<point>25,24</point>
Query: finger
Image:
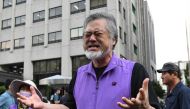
<point>33,91</point>
<point>127,101</point>
<point>23,101</point>
<point>142,94</point>
<point>21,96</point>
<point>32,105</point>
<point>125,106</point>
<point>145,84</point>
<point>136,101</point>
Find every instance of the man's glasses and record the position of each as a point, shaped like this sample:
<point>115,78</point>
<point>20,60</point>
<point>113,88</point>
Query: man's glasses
<point>88,34</point>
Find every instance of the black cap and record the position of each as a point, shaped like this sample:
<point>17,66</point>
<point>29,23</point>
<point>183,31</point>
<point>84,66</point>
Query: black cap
<point>169,67</point>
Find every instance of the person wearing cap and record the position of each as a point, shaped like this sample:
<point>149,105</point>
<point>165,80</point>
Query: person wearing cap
<point>178,95</point>
<point>7,99</point>
<point>108,81</point>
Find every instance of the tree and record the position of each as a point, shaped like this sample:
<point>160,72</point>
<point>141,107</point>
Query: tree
<point>187,75</point>
<point>2,89</point>
<point>158,89</point>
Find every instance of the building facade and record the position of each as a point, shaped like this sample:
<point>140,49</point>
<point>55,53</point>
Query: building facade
<point>41,38</point>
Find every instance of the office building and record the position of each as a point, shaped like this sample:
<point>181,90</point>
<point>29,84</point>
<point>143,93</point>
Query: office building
<point>41,38</point>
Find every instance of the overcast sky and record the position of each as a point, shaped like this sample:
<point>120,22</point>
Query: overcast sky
<point>169,17</point>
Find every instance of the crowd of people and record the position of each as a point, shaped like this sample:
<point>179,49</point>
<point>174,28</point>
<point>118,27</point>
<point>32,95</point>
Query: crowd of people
<point>107,82</point>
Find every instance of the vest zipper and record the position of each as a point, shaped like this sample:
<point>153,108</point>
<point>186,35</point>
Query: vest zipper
<point>97,84</point>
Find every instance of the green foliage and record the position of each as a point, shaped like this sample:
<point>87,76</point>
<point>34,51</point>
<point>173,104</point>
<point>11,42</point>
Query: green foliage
<point>187,75</point>
<point>158,89</point>
<point>2,89</point>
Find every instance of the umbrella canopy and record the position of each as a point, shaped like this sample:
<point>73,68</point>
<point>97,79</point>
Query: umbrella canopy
<point>56,79</point>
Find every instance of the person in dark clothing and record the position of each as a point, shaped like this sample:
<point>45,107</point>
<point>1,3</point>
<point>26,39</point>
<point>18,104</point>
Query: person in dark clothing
<point>178,95</point>
<point>107,82</point>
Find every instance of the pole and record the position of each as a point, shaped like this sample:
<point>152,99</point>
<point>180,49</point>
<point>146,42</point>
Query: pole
<point>187,36</point>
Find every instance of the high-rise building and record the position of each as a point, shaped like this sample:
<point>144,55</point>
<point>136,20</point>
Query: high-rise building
<point>41,38</point>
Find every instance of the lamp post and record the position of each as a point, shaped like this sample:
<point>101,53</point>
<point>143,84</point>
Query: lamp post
<point>187,24</point>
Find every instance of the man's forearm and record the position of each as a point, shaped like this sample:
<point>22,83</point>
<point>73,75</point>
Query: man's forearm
<point>54,106</point>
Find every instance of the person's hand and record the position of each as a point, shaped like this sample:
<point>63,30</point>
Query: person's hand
<point>141,99</point>
<point>33,101</point>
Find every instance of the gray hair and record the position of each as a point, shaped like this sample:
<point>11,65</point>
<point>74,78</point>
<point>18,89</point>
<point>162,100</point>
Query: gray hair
<point>111,23</point>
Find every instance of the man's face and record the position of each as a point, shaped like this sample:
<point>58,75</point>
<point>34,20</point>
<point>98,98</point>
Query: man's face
<point>167,78</point>
<point>97,42</point>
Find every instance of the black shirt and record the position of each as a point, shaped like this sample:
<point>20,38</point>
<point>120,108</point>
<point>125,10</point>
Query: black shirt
<point>138,75</point>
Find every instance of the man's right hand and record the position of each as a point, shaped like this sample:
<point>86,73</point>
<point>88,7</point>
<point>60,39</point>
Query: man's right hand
<point>33,101</point>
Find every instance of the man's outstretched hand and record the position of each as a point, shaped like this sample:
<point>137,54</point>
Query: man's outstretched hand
<point>141,100</point>
<point>33,101</point>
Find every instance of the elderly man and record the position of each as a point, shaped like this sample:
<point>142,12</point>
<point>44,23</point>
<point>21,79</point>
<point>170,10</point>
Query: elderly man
<point>107,82</point>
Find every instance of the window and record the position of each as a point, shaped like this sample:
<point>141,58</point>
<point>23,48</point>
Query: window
<point>55,12</point>
<point>119,6</point>
<point>133,9</point>
<point>54,37</point>
<point>124,16</point>
<point>38,40</point>
<point>7,3</point>
<point>39,16</point>
<point>125,37</point>
<point>76,33</point>
<point>120,32</point>
<point>20,1</point>
<point>78,61</point>
<point>97,4</point>
<point>135,49</point>
<point>77,7</point>
<point>6,24</point>
<point>134,29</point>
<point>47,66</point>
<point>19,43</point>
<point>20,20</point>
<point>5,45</point>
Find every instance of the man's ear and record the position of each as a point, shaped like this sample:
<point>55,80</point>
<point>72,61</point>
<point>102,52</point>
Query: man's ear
<point>113,42</point>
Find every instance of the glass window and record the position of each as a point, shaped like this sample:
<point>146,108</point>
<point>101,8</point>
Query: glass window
<point>124,13</point>
<point>43,67</point>
<point>6,23</point>
<point>78,61</point>
<point>134,28</point>
<point>19,43</point>
<point>39,16</point>
<point>41,39</point>
<point>54,37</point>
<point>81,31</point>
<point>38,40</point>
<point>47,66</point>
<point>76,33</point>
<point>5,45</point>
<point>133,9</point>
<point>55,12</point>
<point>135,49</point>
<point>58,35</point>
<point>120,32</point>
<point>20,20</point>
<point>20,1</point>
<point>7,3</point>
<point>51,37</point>
<point>97,4</point>
<point>125,37</point>
<point>78,7</point>
<point>119,6</point>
